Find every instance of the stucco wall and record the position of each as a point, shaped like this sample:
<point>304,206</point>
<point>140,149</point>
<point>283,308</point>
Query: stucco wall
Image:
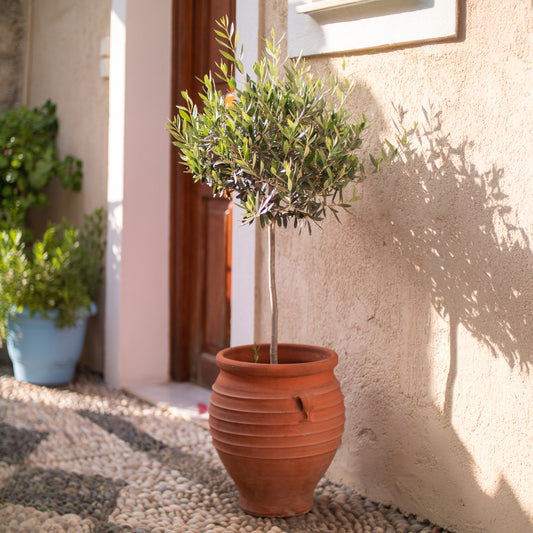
<point>426,289</point>
<point>64,65</point>
<point>137,291</point>
<point>12,40</point>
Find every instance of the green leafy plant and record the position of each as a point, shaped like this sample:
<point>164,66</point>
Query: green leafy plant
<point>29,161</point>
<point>255,357</point>
<point>281,143</point>
<point>62,271</point>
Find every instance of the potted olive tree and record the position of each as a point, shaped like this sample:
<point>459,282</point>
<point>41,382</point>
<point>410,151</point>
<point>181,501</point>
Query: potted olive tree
<point>284,147</point>
<point>47,293</point>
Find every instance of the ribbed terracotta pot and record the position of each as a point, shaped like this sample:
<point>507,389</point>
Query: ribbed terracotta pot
<point>277,427</point>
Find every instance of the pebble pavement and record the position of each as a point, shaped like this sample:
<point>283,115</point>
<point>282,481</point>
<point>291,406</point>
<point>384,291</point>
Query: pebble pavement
<point>84,458</point>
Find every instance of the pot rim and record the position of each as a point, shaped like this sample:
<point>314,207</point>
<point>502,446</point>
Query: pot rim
<point>304,359</point>
<point>52,313</point>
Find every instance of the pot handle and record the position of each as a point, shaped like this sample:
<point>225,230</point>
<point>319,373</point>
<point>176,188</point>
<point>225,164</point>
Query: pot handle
<point>306,404</point>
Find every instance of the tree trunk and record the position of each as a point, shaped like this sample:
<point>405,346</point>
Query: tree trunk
<point>273,295</point>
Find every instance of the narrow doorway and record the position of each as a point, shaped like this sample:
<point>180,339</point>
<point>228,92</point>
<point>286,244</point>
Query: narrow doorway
<point>200,230</point>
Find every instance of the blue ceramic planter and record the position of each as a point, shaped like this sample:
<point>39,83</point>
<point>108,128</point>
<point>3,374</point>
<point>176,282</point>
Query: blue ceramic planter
<point>40,352</point>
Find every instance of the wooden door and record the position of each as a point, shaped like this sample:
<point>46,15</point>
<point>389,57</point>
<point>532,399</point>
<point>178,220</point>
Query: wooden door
<point>200,224</point>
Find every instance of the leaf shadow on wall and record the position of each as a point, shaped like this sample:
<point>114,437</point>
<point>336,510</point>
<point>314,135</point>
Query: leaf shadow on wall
<point>454,225</point>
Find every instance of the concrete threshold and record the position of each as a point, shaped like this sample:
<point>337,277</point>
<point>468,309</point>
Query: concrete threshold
<point>187,400</point>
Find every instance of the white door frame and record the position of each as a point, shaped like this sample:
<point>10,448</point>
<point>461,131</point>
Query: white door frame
<point>137,323</point>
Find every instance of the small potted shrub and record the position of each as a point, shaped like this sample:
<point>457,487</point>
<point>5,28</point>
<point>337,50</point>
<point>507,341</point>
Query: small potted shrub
<point>47,292</point>
<point>284,147</point>
<point>29,161</point>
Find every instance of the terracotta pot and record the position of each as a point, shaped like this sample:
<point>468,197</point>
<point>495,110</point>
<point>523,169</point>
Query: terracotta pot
<point>276,428</point>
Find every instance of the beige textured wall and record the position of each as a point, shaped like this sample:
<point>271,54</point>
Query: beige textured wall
<point>12,40</point>
<point>64,66</point>
<point>426,290</point>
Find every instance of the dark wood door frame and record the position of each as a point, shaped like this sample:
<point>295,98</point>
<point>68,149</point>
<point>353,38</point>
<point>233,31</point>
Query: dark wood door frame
<point>182,29</point>
<point>194,52</point>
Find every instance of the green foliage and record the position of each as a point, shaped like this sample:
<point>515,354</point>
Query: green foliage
<point>282,143</point>
<point>29,161</point>
<point>255,357</point>
<point>62,271</point>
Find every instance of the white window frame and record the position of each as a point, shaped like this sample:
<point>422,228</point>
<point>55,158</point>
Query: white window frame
<point>332,26</point>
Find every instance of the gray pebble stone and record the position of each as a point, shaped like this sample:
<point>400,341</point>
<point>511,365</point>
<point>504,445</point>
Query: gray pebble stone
<point>115,464</point>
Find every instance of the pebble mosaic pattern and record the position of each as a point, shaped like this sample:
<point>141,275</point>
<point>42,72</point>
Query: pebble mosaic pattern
<point>17,444</point>
<point>83,458</point>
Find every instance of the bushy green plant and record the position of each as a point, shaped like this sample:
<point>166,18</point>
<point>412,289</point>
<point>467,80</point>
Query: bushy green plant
<point>29,161</point>
<point>281,143</point>
<point>62,271</point>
